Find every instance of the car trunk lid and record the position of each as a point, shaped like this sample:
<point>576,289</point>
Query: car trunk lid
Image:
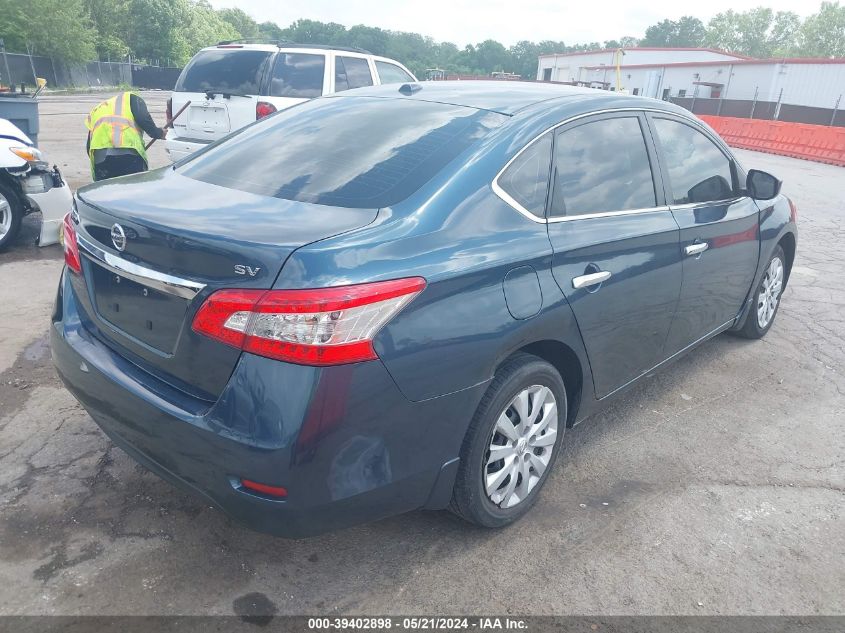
<point>181,240</point>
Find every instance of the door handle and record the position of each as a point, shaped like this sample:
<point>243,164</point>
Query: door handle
<point>590,280</point>
<point>696,249</point>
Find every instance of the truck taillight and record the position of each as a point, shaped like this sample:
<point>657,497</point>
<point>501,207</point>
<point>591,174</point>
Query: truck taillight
<point>319,326</point>
<point>70,245</point>
<point>263,109</point>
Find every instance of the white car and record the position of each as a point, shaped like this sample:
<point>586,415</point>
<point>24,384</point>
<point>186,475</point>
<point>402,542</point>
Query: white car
<point>28,184</point>
<point>233,84</point>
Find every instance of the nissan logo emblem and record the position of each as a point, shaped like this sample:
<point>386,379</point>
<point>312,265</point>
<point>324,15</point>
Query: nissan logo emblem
<point>118,237</point>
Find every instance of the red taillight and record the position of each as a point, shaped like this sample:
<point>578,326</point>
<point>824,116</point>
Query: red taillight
<point>793,210</point>
<point>272,491</point>
<point>263,109</point>
<point>320,326</point>
<point>169,108</point>
<point>70,245</point>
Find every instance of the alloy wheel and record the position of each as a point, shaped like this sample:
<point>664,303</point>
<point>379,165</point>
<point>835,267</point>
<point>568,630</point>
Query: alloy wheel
<point>767,300</point>
<point>521,446</point>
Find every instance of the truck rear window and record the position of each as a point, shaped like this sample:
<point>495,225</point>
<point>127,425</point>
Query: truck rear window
<point>359,152</point>
<point>225,70</point>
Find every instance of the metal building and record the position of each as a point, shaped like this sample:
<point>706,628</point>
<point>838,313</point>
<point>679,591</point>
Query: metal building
<point>665,73</point>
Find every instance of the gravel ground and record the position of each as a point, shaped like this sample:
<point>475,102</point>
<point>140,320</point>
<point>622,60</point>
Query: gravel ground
<point>714,487</point>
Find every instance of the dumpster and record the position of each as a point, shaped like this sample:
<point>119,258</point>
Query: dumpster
<point>21,110</point>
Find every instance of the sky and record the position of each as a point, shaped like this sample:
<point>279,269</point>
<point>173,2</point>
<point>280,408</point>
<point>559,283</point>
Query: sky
<point>507,21</point>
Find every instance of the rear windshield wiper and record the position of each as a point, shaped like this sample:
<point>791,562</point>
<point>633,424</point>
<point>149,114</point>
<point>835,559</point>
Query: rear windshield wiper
<point>226,95</point>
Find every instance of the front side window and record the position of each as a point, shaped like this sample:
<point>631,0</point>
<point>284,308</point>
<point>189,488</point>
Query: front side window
<point>391,73</point>
<point>298,75</point>
<point>526,179</point>
<point>698,170</point>
<point>351,72</point>
<point>602,166</point>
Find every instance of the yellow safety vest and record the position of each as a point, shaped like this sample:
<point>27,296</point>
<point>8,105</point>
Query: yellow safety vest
<point>111,124</point>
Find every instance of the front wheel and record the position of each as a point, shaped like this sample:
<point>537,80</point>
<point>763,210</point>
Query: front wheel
<point>11,212</point>
<point>766,298</point>
<point>511,444</point>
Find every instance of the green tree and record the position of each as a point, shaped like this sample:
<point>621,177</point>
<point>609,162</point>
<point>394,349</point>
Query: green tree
<point>684,32</point>
<point>110,20</point>
<point>369,38</point>
<point>62,28</point>
<point>153,29</point>
<point>270,31</point>
<point>757,32</point>
<point>240,21</point>
<point>490,55</point>
<point>315,32</point>
<point>204,27</point>
<point>523,58</point>
<point>823,34</point>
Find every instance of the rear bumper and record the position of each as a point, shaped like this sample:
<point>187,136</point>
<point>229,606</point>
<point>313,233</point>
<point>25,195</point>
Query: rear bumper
<point>344,441</point>
<point>177,148</point>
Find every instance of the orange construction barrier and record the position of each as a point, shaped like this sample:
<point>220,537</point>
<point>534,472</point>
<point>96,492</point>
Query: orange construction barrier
<point>821,143</point>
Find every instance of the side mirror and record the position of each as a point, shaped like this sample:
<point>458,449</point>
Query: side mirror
<point>761,185</point>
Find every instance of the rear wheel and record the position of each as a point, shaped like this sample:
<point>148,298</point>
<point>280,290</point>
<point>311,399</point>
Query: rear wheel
<point>11,212</point>
<point>766,298</point>
<point>511,444</point>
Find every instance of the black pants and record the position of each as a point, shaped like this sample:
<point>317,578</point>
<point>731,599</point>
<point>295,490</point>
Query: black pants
<point>120,165</point>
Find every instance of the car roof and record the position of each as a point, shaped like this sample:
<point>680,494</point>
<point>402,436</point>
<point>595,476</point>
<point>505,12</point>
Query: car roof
<point>505,97</point>
<point>272,47</point>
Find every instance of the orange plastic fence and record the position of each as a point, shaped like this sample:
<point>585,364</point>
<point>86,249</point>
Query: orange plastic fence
<point>800,140</point>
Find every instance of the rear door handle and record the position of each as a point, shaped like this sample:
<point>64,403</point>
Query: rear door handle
<point>696,249</point>
<point>590,280</point>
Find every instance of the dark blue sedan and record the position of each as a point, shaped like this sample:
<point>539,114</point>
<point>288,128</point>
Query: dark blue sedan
<point>400,297</point>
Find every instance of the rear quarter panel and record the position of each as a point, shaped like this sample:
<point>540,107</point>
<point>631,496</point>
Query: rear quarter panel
<point>464,241</point>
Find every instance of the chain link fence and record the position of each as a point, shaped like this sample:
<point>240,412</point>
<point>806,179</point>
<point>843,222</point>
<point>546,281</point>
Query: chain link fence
<point>17,69</point>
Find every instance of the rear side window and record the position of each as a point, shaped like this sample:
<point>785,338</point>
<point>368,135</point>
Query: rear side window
<point>391,73</point>
<point>298,75</point>
<point>602,166</point>
<point>698,170</point>
<point>225,70</point>
<point>351,72</point>
<point>526,179</point>
<point>359,152</point>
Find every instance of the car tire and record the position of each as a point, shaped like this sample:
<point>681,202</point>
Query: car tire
<point>766,302</point>
<point>523,383</point>
<point>11,212</point>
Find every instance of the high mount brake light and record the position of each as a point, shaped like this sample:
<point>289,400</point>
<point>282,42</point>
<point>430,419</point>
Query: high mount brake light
<point>70,245</point>
<point>320,326</point>
<point>263,109</point>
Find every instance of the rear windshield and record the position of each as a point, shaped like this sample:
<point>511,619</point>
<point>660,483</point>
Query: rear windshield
<point>225,70</point>
<point>360,152</point>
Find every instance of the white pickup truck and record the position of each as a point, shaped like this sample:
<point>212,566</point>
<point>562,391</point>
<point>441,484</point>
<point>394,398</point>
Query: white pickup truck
<point>27,184</point>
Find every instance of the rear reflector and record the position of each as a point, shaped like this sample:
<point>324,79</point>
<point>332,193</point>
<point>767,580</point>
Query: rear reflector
<point>320,326</point>
<point>263,109</point>
<point>270,491</point>
<point>70,245</point>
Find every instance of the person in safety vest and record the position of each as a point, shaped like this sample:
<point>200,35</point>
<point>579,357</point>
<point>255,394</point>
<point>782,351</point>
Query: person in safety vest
<point>115,136</point>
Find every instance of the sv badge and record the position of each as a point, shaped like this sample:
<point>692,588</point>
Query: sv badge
<point>241,269</point>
